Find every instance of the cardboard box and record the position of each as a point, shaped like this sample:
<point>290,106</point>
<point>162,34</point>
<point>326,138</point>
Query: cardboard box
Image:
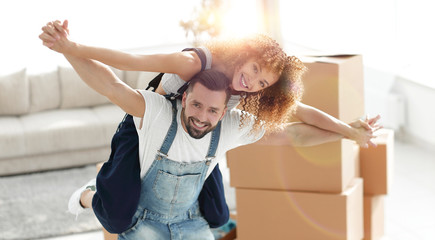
<point>356,159</point>
<point>327,167</point>
<point>335,85</point>
<point>376,164</point>
<point>374,218</point>
<point>231,235</point>
<point>269,214</point>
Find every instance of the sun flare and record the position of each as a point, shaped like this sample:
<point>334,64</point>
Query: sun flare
<point>241,19</point>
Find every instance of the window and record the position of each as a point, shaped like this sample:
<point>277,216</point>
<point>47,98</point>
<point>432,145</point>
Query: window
<point>123,25</point>
<point>392,35</point>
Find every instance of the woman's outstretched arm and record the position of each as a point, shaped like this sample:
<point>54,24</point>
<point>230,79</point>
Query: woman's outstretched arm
<point>185,64</point>
<point>359,131</point>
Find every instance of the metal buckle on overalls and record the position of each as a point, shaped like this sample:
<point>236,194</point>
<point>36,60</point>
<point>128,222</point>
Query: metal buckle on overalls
<point>174,96</point>
<point>208,160</point>
<point>161,155</point>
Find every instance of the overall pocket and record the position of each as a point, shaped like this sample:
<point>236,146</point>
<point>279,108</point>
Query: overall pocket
<point>176,189</point>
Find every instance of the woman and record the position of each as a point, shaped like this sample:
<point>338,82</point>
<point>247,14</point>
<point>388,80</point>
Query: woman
<point>254,65</point>
<point>264,79</point>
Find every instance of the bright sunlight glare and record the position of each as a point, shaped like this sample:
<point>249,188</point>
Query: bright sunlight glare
<point>129,24</point>
<point>241,19</point>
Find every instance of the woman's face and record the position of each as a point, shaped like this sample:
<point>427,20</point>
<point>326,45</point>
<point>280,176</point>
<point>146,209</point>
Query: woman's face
<point>251,77</point>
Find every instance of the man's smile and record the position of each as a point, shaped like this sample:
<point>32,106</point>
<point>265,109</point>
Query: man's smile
<point>197,124</point>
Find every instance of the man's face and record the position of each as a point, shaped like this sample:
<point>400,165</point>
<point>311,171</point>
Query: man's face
<point>202,110</point>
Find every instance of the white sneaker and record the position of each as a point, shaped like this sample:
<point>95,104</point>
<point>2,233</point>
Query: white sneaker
<point>74,206</point>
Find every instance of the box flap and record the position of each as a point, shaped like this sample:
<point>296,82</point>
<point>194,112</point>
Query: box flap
<point>326,57</point>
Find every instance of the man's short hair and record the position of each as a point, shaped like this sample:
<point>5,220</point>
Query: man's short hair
<point>212,80</point>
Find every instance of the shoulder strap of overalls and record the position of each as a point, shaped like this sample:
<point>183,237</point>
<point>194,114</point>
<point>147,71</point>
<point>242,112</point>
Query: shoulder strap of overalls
<point>170,135</point>
<point>214,142</point>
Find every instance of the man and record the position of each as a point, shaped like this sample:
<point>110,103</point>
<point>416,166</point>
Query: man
<point>171,174</point>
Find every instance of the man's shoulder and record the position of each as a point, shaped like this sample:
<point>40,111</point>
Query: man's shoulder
<point>233,114</point>
<point>232,118</point>
<point>148,92</point>
<point>237,133</point>
<point>153,96</point>
<point>154,101</point>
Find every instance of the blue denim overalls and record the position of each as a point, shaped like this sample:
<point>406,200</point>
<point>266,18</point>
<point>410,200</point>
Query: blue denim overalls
<point>168,206</point>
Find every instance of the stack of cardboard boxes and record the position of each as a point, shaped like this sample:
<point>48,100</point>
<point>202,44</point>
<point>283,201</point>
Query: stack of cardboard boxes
<point>286,192</point>
<point>376,170</point>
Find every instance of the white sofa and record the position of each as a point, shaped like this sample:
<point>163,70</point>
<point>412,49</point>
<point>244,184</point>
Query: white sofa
<point>53,120</point>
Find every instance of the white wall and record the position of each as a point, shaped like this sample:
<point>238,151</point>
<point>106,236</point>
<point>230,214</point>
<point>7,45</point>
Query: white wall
<point>420,111</point>
<point>377,87</point>
<point>418,116</point>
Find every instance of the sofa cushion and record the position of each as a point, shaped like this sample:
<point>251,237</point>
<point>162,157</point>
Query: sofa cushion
<point>75,93</point>
<point>14,97</point>
<point>144,78</point>
<point>109,116</point>
<point>62,130</point>
<point>43,162</point>
<point>44,91</point>
<point>131,78</point>
<point>11,137</point>
<point>139,79</point>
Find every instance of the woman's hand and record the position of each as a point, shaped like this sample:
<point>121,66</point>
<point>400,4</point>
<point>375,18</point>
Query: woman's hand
<point>55,36</point>
<point>363,131</point>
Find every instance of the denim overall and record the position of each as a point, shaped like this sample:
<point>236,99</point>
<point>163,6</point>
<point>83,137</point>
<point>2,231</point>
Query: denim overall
<point>168,206</point>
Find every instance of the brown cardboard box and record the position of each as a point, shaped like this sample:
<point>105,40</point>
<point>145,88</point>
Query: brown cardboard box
<point>374,220</point>
<point>356,158</point>
<point>334,84</point>
<point>327,167</point>
<point>231,235</point>
<point>270,214</point>
<point>376,164</point>
<point>106,234</point>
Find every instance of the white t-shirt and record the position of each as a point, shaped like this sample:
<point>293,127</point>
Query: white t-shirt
<point>156,121</point>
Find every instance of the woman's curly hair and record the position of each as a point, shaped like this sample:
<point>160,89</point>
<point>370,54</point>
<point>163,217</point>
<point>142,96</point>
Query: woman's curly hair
<point>274,105</point>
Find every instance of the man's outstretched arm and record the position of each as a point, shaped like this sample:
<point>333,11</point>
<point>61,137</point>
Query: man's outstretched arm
<point>97,75</point>
<point>100,78</point>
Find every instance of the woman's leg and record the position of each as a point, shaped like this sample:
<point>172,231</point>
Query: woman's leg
<point>86,198</point>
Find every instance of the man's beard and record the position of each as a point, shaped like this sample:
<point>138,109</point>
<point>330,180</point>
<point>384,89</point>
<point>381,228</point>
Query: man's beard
<point>193,132</point>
